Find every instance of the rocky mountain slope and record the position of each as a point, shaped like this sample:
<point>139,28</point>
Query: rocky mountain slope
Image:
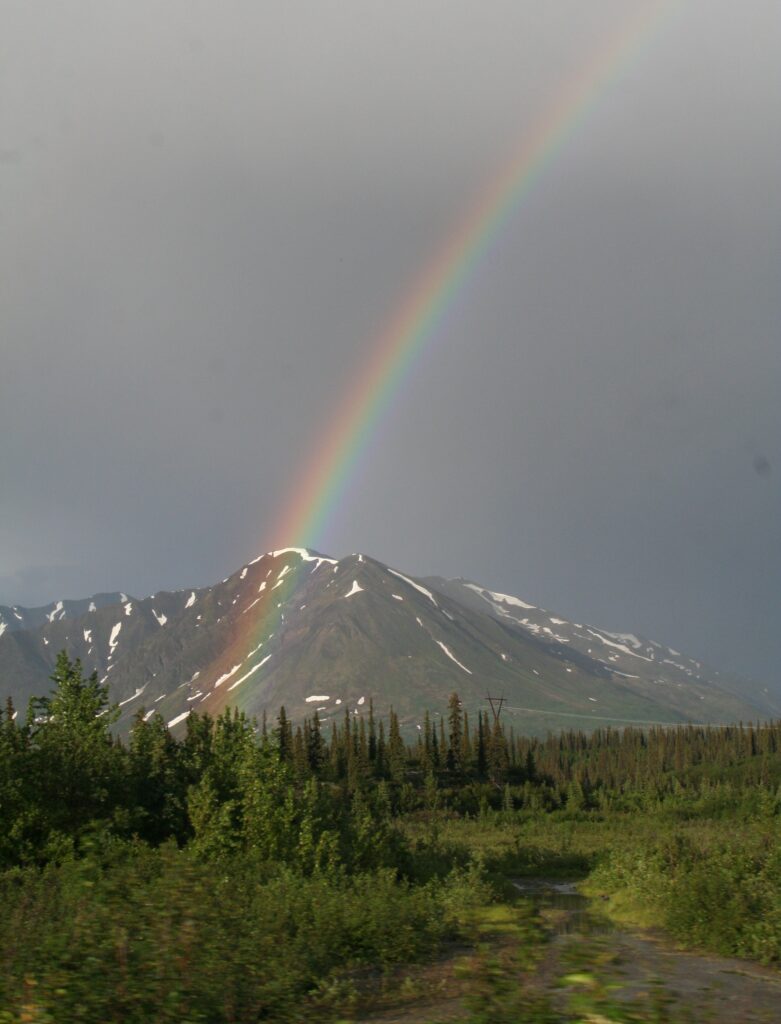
<point>311,632</point>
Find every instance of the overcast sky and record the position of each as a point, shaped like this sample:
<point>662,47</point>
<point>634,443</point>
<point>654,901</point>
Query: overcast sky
<point>208,211</point>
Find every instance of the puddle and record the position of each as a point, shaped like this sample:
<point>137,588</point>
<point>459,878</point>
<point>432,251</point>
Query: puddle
<point>698,987</point>
<point>563,909</point>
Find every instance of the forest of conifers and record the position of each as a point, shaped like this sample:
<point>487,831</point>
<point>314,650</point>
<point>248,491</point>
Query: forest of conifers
<point>263,871</point>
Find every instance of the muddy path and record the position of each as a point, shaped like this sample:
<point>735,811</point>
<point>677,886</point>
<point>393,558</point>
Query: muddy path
<point>646,965</point>
<point>640,969</point>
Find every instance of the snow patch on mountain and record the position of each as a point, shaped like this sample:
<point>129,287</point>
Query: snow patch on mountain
<point>619,647</point>
<point>627,638</point>
<point>417,587</point>
<point>227,675</point>
<point>355,589</point>
<point>161,618</point>
<point>305,555</point>
<point>57,611</point>
<point>246,675</point>
<point>112,640</point>
<point>501,598</point>
<point>452,656</point>
<point>127,700</point>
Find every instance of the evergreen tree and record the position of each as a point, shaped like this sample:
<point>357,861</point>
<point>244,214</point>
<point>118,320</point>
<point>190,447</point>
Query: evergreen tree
<point>455,738</point>
<point>75,767</point>
<point>315,747</point>
<point>284,737</point>
<point>396,752</point>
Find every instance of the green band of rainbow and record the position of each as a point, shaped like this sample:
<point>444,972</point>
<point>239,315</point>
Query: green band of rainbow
<point>319,488</point>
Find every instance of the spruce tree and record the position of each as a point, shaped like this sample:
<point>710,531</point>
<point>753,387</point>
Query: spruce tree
<point>284,737</point>
<point>396,752</point>
<point>455,738</point>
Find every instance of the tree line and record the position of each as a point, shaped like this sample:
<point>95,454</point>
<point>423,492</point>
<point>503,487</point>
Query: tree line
<point>311,795</point>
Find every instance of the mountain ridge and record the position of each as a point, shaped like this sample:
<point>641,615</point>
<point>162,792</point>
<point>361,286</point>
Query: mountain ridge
<point>298,628</point>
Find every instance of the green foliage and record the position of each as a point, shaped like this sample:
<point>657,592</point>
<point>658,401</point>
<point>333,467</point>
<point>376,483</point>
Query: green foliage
<point>242,874</point>
<point>134,934</point>
<point>714,891</point>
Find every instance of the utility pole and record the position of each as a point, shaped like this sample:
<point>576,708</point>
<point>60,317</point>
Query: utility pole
<point>496,706</point>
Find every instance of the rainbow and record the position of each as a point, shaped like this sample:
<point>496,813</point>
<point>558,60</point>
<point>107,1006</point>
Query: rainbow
<point>316,494</point>
<point>320,486</point>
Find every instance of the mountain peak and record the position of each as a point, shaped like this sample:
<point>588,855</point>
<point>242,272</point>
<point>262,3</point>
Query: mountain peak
<point>294,625</point>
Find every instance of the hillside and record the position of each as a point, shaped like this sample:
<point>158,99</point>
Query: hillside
<point>297,628</point>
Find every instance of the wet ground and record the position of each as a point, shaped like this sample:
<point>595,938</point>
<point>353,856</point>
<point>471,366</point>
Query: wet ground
<point>647,966</point>
<point>638,968</point>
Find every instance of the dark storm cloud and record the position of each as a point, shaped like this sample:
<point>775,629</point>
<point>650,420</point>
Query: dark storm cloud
<point>209,211</point>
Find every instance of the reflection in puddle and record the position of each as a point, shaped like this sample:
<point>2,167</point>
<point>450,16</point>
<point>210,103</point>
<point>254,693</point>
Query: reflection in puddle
<point>564,910</point>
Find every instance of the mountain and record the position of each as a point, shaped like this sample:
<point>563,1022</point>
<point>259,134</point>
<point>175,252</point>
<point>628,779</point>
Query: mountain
<point>297,628</point>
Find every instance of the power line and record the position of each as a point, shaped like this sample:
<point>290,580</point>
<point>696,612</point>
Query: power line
<point>605,718</point>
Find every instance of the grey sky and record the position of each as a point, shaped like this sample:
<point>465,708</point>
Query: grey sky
<point>208,210</point>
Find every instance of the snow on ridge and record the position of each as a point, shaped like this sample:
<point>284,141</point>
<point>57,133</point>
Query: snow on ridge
<point>501,598</point>
<point>129,608</point>
<point>191,600</point>
<point>179,718</point>
<point>243,573</point>
<point>58,608</point>
<point>452,656</point>
<point>92,607</point>
<point>355,589</point>
<point>161,618</point>
<point>305,554</point>
<point>417,586</point>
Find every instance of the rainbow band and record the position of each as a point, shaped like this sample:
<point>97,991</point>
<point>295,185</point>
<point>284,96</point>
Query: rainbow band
<point>324,480</point>
<point>321,485</point>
